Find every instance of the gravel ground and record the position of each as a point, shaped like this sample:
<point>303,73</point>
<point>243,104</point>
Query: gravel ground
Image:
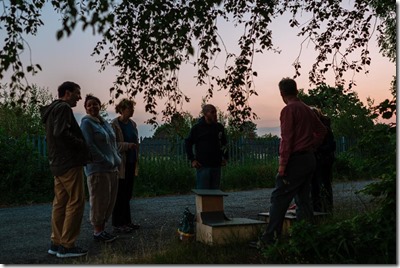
<point>25,231</point>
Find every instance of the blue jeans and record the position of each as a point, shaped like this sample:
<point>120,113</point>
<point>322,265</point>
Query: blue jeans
<point>208,178</point>
<point>299,172</point>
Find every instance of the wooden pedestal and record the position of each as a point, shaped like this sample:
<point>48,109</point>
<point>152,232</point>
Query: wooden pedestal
<point>212,225</point>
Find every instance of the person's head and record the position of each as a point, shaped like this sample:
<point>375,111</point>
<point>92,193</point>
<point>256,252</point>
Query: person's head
<point>125,108</point>
<point>70,92</point>
<point>288,88</point>
<point>210,113</point>
<point>92,105</point>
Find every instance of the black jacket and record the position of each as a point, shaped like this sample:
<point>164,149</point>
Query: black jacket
<point>210,144</point>
<point>66,145</point>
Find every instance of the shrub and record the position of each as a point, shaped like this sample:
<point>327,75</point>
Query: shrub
<point>25,176</point>
<point>369,238</point>
<point>249,174</point>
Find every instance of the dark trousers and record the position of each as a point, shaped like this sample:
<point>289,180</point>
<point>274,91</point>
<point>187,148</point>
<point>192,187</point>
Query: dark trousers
<point>321,186</point>
<point>299,172</point>
<point>208,178</point>
<point>122,211</point>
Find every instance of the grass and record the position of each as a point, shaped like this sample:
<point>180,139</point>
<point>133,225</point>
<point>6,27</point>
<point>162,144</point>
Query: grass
<point>171,250</point>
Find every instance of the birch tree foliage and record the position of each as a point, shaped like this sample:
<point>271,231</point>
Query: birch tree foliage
<point>150,40</point>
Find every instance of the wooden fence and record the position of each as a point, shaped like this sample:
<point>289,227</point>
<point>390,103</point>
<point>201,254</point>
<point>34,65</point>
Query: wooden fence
<point>239,150</point>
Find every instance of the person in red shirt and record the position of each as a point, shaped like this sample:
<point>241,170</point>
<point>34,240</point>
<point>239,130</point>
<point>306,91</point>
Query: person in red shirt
<point>301,133</point>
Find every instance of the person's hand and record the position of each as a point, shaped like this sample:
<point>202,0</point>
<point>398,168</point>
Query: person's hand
<point>281,170</point>
<point>196,164</point>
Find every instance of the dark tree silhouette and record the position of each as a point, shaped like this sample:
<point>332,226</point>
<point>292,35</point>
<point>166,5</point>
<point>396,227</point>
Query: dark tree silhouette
<point>149,40</point>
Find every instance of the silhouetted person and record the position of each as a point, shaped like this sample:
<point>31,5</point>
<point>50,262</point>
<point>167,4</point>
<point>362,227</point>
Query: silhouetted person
<point>128,145</point>
<point>321,186</point>
<point>67,153</point>
<point>301,133</point>
<point>102,170</point>
<point>210,144</point>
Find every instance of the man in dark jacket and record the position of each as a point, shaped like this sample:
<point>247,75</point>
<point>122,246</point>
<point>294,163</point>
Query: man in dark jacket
<point>210,144</point>
<point>67,153</point>
<point>321,186</point>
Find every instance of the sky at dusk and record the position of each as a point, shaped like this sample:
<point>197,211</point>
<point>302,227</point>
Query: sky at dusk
<point>69,59</point>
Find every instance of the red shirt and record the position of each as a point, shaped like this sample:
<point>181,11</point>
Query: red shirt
<point>301,130</point>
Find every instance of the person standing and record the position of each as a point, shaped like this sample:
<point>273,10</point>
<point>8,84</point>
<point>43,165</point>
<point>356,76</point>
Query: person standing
<point>321,186</point>
<point>301,133</point>
<point>210,144</point>
<point>102,170</point>
<point>67,153</point>
<point>128,145</point>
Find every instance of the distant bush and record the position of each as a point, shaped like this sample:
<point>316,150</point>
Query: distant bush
<point>172,176</point>
<point>24,173</point>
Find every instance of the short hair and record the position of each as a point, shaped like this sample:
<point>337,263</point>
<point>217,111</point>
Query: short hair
<point>123,104</point>
<point>68,85</point>
<point>207,108</point>
<point>288,87</point>
<point>91,97</point>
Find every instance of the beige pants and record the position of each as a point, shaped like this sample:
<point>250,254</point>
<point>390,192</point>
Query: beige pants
<point>103,189</point>
<point>68,207</point>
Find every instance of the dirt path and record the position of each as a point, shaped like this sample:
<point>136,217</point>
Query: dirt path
<point>25,231</point>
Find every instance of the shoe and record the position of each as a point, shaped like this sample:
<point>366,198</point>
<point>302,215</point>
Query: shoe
<point>133,226</point>
<point>70,252</point>
<point>104,237</point>
<point>53,249</point>
<point>122,230</point>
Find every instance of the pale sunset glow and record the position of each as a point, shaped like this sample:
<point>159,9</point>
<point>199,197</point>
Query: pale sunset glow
<point>69,59</point>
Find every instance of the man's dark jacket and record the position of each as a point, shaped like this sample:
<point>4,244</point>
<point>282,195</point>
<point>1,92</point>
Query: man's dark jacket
<point>210,143</point>
<point>66,145</point>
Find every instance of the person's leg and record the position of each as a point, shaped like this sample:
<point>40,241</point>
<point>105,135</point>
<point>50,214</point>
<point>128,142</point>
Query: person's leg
<point>298,175</point>
<point>304,169</point>
<point>203,178</point>
<point>129,177</point>
<point>113,188</point>
<point>327,188</point>
<point>58,211</point>
<point>99,191</point>
<point>215,180</point>
<point>280,201</point>
<point>74,186</point>
<point>304,210</point>
<point>117,214</point>
<point>316,186</point>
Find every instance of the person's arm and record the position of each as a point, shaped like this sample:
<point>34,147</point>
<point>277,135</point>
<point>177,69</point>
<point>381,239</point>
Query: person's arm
<point>287,136</point>
<point>224,146</point>
<point>121,144</point>
<point>320,131</point>
<point>87,130</point>
<point>62,126</point>
<point>189,141</point>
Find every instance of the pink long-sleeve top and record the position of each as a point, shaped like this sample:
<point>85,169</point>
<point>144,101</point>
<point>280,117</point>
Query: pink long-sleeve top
<point>301,130</point>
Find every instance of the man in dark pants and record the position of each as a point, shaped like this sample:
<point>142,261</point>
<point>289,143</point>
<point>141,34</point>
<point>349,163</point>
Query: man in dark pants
<point>321,186</point>
<point>301,133</point>
<point>209,138</point>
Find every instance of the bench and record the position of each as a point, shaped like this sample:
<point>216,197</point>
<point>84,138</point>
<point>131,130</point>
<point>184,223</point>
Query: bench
<point>214,227</point>
<point>290,217</point>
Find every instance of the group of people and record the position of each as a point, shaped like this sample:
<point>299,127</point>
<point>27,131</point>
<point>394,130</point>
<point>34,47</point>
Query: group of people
<point>306,155</point>
<point>106,153</point>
